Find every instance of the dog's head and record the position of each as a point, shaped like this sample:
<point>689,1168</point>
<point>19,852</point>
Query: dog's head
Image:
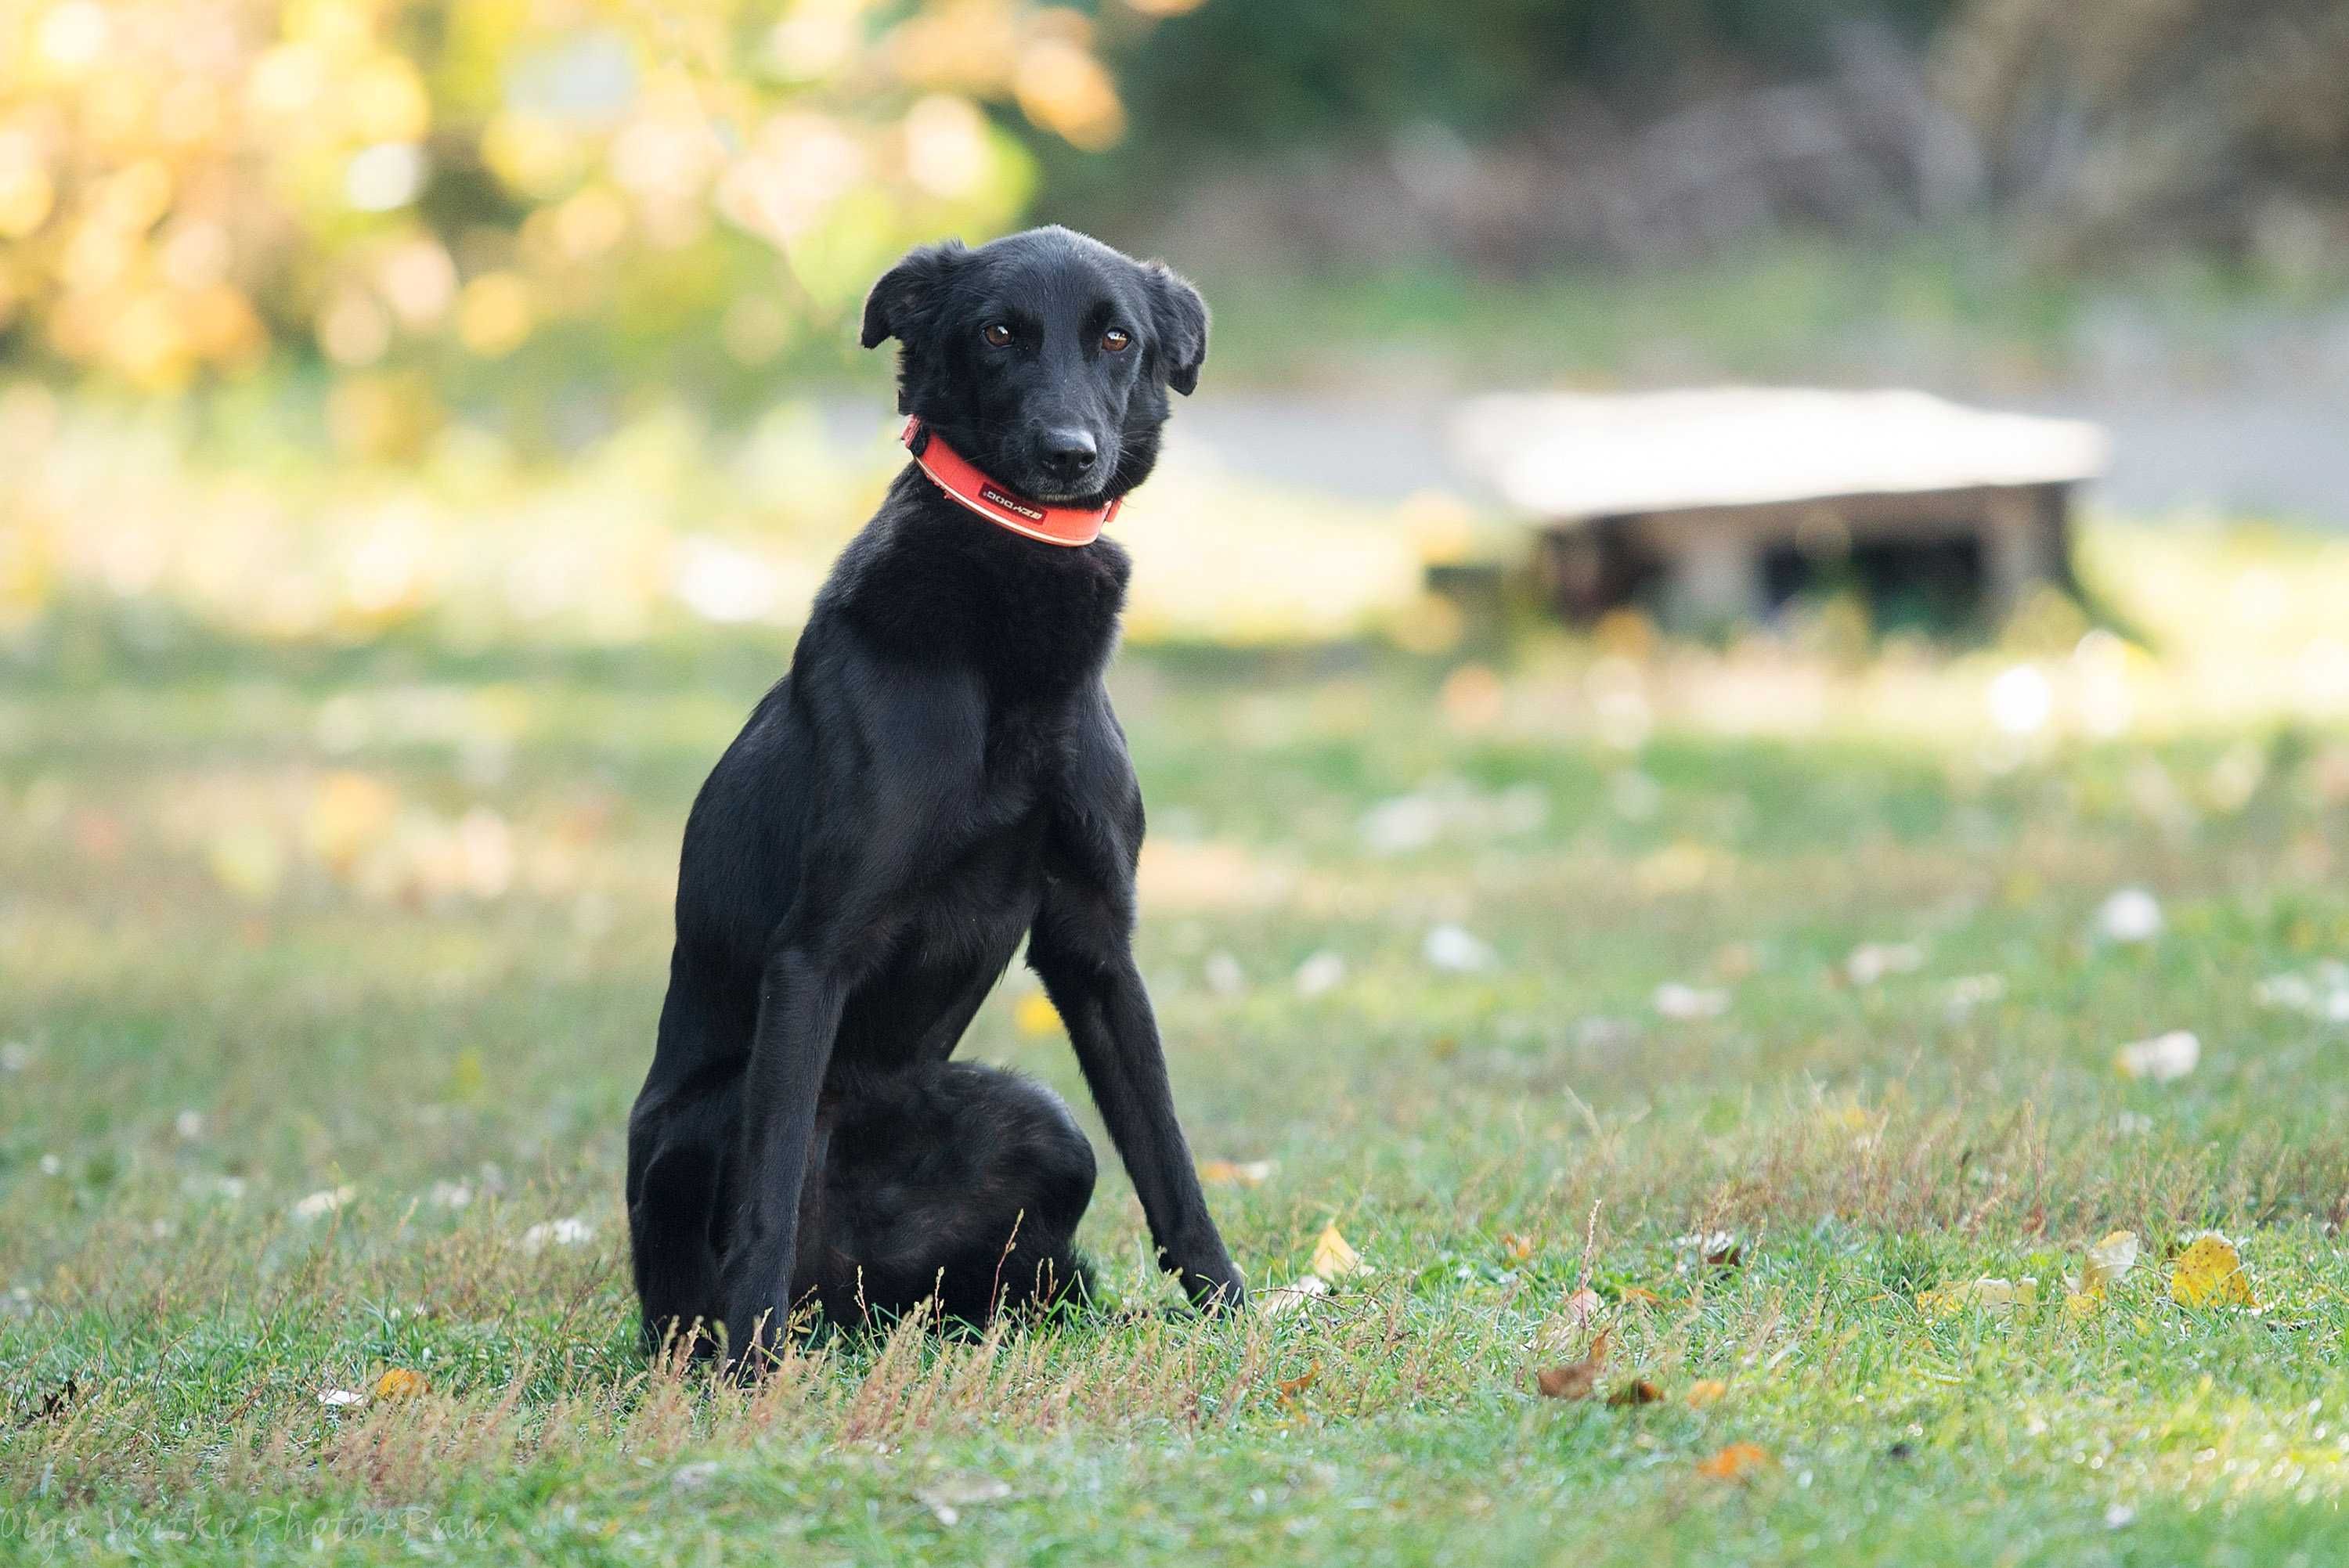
<point>1044,357</point>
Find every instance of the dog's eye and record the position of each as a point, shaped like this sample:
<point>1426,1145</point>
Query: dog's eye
<point>1116,340</point>
<point>997,335</point>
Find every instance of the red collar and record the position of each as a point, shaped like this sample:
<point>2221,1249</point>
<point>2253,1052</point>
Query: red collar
<point>962,480</point>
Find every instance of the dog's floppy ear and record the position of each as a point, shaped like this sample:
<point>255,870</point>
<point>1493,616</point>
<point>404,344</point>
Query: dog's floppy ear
<point>901,303</point>
<point>1182,323</point>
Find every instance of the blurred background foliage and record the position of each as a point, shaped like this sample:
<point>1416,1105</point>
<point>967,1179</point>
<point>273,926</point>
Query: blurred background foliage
<point>527,205</point>
<point>470,195</point>
<point>319,316</point>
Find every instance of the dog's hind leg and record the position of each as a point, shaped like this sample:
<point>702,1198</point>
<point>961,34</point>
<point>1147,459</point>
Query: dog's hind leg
<point>676,1201</point>
<point>677,1270</point>
<point>962,1182</point>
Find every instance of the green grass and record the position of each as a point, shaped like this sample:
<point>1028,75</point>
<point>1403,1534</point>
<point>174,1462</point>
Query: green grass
<point>225,991</point>
<point>1960,305</point>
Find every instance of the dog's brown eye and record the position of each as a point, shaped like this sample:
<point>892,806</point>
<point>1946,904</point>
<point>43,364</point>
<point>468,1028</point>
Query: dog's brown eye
<point>997,333</point>
<point>1115,339</point>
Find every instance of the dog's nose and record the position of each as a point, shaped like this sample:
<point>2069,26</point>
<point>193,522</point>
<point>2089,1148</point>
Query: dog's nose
<point>1068,453</point>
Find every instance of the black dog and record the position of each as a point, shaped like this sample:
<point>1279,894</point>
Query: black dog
<point>938,776</point>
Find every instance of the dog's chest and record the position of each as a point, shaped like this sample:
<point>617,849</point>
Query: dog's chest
<point>979,892</point>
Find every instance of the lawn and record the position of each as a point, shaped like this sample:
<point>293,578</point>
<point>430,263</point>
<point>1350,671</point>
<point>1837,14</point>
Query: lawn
<point>327,974</point>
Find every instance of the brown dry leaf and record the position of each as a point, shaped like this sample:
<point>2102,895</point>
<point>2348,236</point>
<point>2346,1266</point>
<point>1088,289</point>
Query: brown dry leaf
<point>1333,1256</point>
<point>1633,1295</point>
<point>400,1383</point>
<point>1577,1379</point>
<point>1291,1388</point>
<point>1518,1249</point>
<point>1738,1461</point>
<point>1638,1391</point>
<point>1236,1172</point>
<point>1705,1391</point>
<point>2210,1273</point>
<point>1580,1306</point>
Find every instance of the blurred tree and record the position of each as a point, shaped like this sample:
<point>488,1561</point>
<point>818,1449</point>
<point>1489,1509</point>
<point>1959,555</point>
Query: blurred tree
<point>591,192</point>
<point>1224,81</point>
<point>2116,124</point>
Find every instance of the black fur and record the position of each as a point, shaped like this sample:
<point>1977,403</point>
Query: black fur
<point>937,777</point>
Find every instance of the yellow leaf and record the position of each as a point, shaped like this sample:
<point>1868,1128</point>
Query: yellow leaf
<point>1237,1173</point>
<point>2210,1273</point>
<point>400,1383</point>
<point>1995,1297</point>
<point>1706,1391</point>
<point>1333,1257</point>
<point>1035,1015</point>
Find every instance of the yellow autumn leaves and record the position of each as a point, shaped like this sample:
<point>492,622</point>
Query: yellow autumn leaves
<point>184,184</point>
<point>2208,1271</point>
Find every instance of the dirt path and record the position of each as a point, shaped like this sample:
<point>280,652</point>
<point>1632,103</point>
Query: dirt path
<point>2278,452</point>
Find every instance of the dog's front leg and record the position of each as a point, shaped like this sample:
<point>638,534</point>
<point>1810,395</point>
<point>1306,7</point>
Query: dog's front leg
<point>1082,957</point>
<point>799,1002</point>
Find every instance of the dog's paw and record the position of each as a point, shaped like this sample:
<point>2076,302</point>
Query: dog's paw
<point>1216,1290</point>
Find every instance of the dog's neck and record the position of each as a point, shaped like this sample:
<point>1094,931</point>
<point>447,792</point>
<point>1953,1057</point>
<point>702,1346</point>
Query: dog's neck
<point>972,489</point>
<point>927,580</point>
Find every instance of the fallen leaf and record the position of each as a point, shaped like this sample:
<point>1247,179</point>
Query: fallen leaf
<point>2210,1273</point>
<point>1996,1296</point>
<point>1577,1379</point>
<point>1279,1301</point>
<point>1635,1295</point>
<point>568,1231</point>
<point>1035,1015</point>
<point>1712,1249</point>
<point>1321,972</point>
<point>1580,1306</point>
<point>1638,1391</point>
<point>1738,1461</point>
<point>1291,1388</point>
<point>2132,914</point>
<point>949,1498</point>
<point>1871,962</point>
<point>324,1202</point>
<point>1457,949</point>
<point>400,1383</point>
<point>1705,1391</point>
<point>2108,1261</point>
<point>340,1399</point>
<point>1518,1249</point>
<point>1674,1000</point>
<point>2165,1058</point>
<point>1333,1256</point>
<point>1237,1173</point>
